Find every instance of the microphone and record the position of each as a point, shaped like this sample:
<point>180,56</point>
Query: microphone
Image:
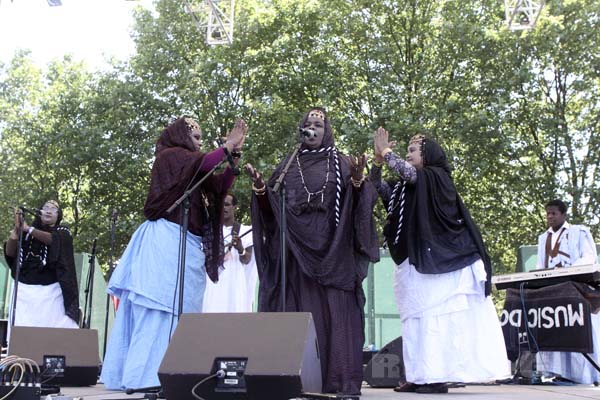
<point>32,211</point>
<point>308,132</point>
<point>234,168</point>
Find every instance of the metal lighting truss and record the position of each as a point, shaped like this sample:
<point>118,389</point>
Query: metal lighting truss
<point>220,20</point>
<point>522,14</point>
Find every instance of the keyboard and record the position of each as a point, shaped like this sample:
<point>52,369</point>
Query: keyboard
<point>546,277</point>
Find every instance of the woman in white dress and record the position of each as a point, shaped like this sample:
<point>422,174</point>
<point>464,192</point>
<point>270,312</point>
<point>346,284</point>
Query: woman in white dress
<point>450,329</point>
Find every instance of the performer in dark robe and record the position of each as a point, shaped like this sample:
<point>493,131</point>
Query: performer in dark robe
<point>47,294</point>
<point>146,279</point>
<point>450,329</point>
<point>330,240</point>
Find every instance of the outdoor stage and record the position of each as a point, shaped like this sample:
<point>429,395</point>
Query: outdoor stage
<point>474,392</point>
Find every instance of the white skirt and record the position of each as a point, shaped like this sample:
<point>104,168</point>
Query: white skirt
<point>41,306</point>
<point>450,330</point>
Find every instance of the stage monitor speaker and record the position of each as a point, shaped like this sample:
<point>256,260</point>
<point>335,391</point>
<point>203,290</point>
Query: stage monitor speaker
<point>386,368</point>
<point>47,346</point>
<point>258,356</point>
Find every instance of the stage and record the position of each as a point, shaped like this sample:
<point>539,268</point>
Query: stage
<point>470,392</point>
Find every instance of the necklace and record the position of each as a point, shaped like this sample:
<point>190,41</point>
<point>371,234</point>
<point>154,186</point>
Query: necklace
<point>319,192</point>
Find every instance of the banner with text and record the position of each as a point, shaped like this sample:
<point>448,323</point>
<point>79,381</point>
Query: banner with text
<point>554,318</point>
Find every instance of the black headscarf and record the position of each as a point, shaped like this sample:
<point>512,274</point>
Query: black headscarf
<point>332,253</point>
<point>439,233</point>
<point>43,264</point>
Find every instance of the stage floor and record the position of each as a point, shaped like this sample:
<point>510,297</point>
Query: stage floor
<point>470,392</point>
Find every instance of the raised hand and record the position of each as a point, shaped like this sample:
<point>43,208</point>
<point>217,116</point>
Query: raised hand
<point>357,167</point>
<point>255,176</point>
<point>20,220</point>
<point>381,142</point>
<point>235,138</point>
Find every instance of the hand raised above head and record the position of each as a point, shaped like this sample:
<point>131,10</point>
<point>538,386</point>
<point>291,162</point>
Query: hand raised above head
<point>236,137</point>
<point>381,143</point>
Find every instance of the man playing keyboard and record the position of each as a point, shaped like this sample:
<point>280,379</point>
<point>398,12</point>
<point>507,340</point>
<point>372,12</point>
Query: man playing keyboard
<point>564,245</point>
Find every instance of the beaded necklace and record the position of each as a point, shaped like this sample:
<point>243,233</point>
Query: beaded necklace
<point>338,177</point>
<point>319,192</point>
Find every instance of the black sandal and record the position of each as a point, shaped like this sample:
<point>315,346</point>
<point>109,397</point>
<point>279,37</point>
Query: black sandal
<point>432,388</point>
<point>406,387</point>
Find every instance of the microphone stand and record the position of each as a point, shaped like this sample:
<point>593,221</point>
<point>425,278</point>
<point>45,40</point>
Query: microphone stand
<point>17,271</point>
<point>280,187</point>
<point>89,290</point>
<point>185,202</point>
<point>111,268</point>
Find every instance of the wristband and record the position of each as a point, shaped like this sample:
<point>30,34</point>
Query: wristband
<point>30,230</point>
<point>243,253</point>
<point>378,164</point>
<point>357,183</point>
<point>261,191</point>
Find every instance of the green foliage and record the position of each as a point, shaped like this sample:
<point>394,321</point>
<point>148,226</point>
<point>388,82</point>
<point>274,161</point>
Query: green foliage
<point>516,111</point>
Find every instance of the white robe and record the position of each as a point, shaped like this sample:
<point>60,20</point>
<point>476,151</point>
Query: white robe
<point>578,243</point>
<point>450,330</point>
<point>235,290</point>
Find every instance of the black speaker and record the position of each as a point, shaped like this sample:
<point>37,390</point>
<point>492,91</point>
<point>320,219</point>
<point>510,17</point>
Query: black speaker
<point>74,350</point>
<point>255,356</point>
<point>386,368</point>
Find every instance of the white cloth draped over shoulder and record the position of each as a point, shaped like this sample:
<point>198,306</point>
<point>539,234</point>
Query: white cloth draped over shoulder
<point>450,330</point>
<point>578,244</point>
<point>235,290</point>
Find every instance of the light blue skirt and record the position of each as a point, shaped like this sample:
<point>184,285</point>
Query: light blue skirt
<point>146,283</point>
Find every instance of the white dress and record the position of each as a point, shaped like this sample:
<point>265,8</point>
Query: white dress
<point>234,292</point>
<point>450,329</point>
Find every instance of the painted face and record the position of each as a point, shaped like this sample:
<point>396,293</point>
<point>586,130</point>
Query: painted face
<point>196,135</point>
<point>317,125</point>
<point>413,155</point>
<point>554,217</point>
<point>228,208</point>
<point>49,214</point>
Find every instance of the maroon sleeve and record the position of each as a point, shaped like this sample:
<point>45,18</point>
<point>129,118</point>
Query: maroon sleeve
<point>211,159</point>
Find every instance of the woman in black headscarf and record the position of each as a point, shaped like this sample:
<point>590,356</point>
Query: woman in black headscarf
<point>330,240</point>
<point>450,329</point>
<point>47,294</point>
